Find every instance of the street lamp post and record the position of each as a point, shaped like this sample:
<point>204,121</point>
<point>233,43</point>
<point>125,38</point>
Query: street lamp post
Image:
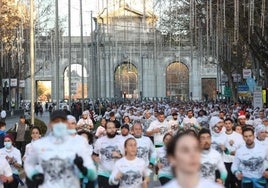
<point>32,56</point>
<point>57,53</point>
<point>82,52</point>
<point>70,52</point>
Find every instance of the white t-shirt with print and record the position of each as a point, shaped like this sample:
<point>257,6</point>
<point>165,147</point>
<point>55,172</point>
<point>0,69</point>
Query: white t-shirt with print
<point>217,140</point>
<point>12,153</point>
<point>55,159</point>
<point>104,147</point>
<point>161,157</point>
<point>158,137</point>
<point>5,169</point>
<point>133,173</point>
<point>251,162</point>
<point>211,160</point>
<point>238,142</point>
<point>145,149</point>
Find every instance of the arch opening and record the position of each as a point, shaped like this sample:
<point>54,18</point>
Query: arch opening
<point>126,81</point>
<point>76,82</point>
<point>177,81</point>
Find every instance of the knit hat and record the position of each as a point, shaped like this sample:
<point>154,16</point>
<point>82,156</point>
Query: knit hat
<point>71,118</point>
<point>214,120</point>
<point>241,115</point>
<point>259,128</point>
<point>10,137</point>
<point>86,112</point>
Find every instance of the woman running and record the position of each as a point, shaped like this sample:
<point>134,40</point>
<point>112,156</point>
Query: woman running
<point>35,135</point>
<point>164,173</point>
<point>130,171</point>
<point>13,156</point>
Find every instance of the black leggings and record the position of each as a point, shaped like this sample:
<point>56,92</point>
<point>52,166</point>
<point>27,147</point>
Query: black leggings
<point>103,182</point>
<point>13,184</point>
<point>231,180</point>
<point>164,180</point>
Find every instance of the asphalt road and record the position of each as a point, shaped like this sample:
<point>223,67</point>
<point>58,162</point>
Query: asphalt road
<point>12,120</point>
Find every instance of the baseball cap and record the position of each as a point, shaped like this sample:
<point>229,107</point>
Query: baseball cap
<point>58,114</point>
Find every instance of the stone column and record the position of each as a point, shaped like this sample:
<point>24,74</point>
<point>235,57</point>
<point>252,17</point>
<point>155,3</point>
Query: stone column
<point>148,78</point>
<point>196,84</point>
<point>111,81</point>
<point>161,81</point>
<point>103,64</point>
<point>107,75</point>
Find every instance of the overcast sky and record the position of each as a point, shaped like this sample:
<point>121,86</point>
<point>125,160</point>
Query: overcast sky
<point>88,6</point>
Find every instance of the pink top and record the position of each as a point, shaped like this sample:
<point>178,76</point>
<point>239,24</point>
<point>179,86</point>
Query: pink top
<point>100,131</point>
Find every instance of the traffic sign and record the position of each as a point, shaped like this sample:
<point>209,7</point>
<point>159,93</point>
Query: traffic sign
<point>227,91</point>
<point>257,97</point>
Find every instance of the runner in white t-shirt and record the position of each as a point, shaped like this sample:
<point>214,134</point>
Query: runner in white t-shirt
<point>211,160</point>
<point>250,162</point>
<point>5,172</point>
<point>235,141</point>
<point>164,172</point>
<point>190,121</point>
<point>107,150</point>
<point>145,147</point>
<point>35,135</point>
<point>158,129</point>
<point>59,159</point>
<point>218,138</point>
<point>130,171</point>
<point>13,156</point>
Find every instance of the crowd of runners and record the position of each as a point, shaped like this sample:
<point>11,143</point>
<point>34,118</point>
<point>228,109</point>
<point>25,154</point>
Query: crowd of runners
<point>184,145</point>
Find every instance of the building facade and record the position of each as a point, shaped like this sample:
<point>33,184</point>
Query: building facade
<point>127,57</point>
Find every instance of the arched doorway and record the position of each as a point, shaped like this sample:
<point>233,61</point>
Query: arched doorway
<point>126,81</point>
<point>177,81</point>
<point>76,82</point>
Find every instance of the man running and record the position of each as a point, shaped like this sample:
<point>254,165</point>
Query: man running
<point>145,147</point>
<point>211,160</point>
<point>235,141</point>
<point>219,139</point>
<point>250,162</point>
<point>107,150</point>
<point>158,129</point>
